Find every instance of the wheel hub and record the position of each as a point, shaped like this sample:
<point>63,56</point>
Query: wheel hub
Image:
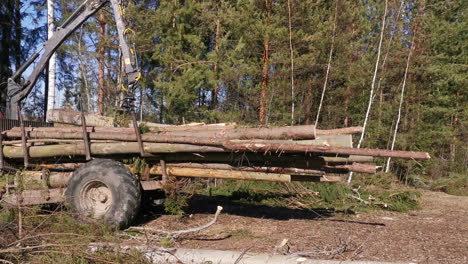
<point>95,198</point>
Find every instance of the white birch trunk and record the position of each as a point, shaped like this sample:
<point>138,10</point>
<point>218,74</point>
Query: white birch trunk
<point>371,95</point>
<point>50,32</point>
<point>387,167</point>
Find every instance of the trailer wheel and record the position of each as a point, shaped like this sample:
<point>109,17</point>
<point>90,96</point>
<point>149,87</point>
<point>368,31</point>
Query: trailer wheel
<point>104,189</point>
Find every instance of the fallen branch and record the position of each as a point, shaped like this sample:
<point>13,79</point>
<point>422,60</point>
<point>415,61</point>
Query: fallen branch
<point>175,234</point>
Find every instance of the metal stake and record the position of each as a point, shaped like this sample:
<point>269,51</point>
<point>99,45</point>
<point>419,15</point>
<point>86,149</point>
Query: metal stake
<point>85,133</point>
<point>23,138</point>
<point>138,135</point>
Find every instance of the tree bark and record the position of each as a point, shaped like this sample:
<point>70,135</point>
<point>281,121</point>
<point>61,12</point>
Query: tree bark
<point>51,69</point>
<point>266,57</point>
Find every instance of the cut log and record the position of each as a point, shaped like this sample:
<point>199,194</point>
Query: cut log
<point>61,166</point>
<point>350,159</point>
<point>34,179</point>
<point>68,116</point>
<point>48,151</point>
<point>236,175</point>
<point>339,131</point>
<point>297,148</point>
<point>355,167</point>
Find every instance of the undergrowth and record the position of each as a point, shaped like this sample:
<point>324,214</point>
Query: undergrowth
<point>52,235</point>
<point>377,192</point>
<point>455,184</point>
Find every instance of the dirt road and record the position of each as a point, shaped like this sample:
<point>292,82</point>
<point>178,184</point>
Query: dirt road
<point>436,233</point>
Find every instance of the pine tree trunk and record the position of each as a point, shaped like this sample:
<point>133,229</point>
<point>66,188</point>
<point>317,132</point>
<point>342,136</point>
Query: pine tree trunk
<point>350,62</point>
<point>101,81</point>
<point>308,101</point>
<point>291,50</point>
<point>266,56</point>
<point>214,96</point>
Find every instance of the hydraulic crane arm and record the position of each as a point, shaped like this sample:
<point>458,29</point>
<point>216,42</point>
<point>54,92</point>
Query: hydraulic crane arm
<point>17,92</point>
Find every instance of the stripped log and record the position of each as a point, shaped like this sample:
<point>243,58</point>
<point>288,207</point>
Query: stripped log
<point>296,148</point>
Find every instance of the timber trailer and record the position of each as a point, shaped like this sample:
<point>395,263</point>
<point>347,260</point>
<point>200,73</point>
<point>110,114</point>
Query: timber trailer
<point>101,172</point>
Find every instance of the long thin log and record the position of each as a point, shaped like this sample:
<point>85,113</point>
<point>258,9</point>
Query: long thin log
<point>304,161</point>
<point>222,174</point>
<point>104,149</point>
<point>148,137</point>
<point>279,148</point>
<point>220,166</point>
<point>355,167</point>
<point>238,175</point>
<point>350,159</point>
<point>53,136</point>
<point>130,130</point>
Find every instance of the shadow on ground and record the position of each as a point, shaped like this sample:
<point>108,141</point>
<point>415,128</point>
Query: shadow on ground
<point>204,204</point>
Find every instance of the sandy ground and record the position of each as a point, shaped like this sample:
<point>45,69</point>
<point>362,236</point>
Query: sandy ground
<point>436,233</point>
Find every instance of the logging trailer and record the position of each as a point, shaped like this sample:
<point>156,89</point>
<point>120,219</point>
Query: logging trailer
<point>101,171</point>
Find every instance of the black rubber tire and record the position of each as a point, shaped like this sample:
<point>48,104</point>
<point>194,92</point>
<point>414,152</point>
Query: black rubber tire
<point>119,180</point>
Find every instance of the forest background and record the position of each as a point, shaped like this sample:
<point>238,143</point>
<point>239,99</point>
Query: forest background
<point>270,63</point>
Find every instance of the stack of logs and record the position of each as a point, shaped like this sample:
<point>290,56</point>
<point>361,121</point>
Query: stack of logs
<point>282,154</point>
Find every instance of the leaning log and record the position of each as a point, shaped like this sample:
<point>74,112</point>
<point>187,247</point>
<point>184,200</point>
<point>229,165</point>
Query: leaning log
<point>298,148</point>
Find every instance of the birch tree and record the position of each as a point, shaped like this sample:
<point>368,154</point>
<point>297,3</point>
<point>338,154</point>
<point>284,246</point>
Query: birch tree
<point>371,95</point>
<point>402,94</point>
<point>52,62</point>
